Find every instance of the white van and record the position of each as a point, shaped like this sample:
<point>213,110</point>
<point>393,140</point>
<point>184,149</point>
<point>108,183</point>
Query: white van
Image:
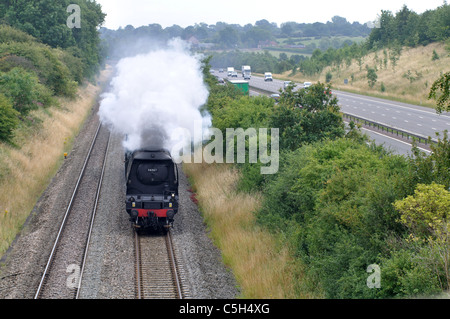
<point>306,85</point>
<point>268,76</point>
<point>286,84</point>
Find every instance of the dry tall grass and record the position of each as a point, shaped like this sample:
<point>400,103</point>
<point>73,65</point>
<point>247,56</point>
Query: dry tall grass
<point>397,87</point>
<point>27,170</point>
<point>261,266</point>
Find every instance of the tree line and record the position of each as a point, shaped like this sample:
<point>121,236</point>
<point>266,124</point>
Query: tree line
<point>392,32</point>
<point>343,205</point>
<point>407,28</point>
<point>232,36</point>
<point>46,21</point>
<point>41,57</point>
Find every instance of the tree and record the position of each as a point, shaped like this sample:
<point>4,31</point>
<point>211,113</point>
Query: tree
<point>24,90</point>
<point>440,91</point>
<point>371,77</point>
<point>427,215</point>
<point>252,37</point>
<point>401,22</point>
<point>228,37</point>
<point>307,116</point>
<point>435,167</point>
<point>288,28</point>
<point>46,20</point>
<point>8,119</point>
<point>394,55</point>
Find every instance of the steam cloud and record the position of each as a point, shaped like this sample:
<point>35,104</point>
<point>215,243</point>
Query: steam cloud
<point>154,95</point>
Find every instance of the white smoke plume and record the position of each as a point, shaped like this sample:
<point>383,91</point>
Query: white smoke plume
<point>154,95</point>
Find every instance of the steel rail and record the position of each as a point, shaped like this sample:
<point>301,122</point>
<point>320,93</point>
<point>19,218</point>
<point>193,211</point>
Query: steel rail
<point>91,226</point>
<point>138,266</point>
<point>50,259</point>
<point>174,264</point>
<point>175,281</point>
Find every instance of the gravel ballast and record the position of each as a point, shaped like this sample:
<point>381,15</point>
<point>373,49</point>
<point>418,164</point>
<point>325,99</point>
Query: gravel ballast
<point>109,269</point>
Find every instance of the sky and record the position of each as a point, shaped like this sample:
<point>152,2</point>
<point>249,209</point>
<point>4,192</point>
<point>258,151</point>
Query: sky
<point>121,13</point>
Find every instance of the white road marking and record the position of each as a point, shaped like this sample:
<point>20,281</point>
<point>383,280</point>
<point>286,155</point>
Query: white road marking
<point>422,149</point>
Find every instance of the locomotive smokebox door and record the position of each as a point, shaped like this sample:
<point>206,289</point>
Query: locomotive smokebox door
<point>152,186</point>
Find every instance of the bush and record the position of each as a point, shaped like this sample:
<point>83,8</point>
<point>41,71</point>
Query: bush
<point>307,116</point>
<point>8,119</point>
<point>243,112</point>
<point>44,62</point>
<point>403,275</point>
<point>340,194</point>
<point>435,56</point>
<point>9,34</point>
<point>24,90</point>
<point>328,77</point>
<point>371,77</point>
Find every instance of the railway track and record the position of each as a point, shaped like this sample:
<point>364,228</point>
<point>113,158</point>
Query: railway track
<point>158,274</point>
<point>63,272</point>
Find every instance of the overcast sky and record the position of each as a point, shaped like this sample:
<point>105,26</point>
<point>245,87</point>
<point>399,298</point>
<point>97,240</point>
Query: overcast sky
<point>121,13</point>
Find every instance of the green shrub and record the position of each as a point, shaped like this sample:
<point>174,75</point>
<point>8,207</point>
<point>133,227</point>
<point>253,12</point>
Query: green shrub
<point>404,275</point>
<point>24,90</point>
<point>8,119</point>
<point>328,77</point>
<point>43,61</point>
<point>243,112</point>
<point>340,194</point>
<point>307,116</point>
<point>435,56</point>
<point>9,34</point>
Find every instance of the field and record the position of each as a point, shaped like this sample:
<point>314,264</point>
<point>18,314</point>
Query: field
<point>311,44</point>
<point>322,43</point>
<point>317,41</point>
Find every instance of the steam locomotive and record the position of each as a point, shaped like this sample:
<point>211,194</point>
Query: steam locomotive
<point>151,189</point>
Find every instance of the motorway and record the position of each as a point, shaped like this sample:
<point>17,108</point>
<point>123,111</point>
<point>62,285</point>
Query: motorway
<point>407,117</point>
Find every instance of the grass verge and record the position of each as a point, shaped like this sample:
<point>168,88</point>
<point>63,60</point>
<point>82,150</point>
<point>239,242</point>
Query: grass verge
<point>263,268</point>
<point>27,168</point>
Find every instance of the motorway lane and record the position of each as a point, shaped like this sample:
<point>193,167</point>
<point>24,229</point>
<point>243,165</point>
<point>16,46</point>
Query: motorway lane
<point>412,118</point>
<point>258,82</point>
<point>407,117</point>
<point>393,144</point>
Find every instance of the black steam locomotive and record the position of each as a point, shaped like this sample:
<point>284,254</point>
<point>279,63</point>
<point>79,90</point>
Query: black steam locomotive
<point>151,188</point>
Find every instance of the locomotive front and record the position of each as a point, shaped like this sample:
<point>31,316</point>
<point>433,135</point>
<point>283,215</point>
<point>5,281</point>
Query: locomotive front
<point>151,189</point>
